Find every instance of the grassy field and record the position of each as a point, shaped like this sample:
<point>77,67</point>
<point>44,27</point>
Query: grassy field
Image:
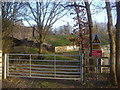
<point>54,40</point>
<point>104,40</point>
<point>59,40</point>
<point>63,40</point>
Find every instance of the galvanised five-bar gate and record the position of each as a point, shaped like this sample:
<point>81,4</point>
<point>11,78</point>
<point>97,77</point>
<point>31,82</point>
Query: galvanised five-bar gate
<point>45,66</point>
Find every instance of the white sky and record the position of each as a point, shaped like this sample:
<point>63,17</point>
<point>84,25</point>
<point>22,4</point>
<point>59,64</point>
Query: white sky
<point>100,17</point>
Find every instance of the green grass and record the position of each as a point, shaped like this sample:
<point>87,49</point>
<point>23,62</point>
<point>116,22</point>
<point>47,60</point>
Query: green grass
<point>61,57</point>
<point>104,40</point>
<point>63,40</point>
<point>25,49</point>
<point>48,84</point>
<point>32,50</point>
<point>59,40</point>
<point>51,56</point>
<point>55,40</point>
<point>105,43</point>
<point>69,53</point>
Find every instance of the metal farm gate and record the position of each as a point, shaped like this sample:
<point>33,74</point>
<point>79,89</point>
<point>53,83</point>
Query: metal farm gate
<point>45,66</point>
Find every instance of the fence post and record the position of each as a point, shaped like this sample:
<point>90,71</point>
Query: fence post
<point>97,68</point>
<point>0,64</point>
<point>82,67</point>
<point>30,65</point>
<point>5,67</point>
<point>7,64</point>
<point>55,66</point>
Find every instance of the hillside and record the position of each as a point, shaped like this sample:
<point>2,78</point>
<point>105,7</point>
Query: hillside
<point>59,40</point>
<point>54,40</point>
<point>63,40</point>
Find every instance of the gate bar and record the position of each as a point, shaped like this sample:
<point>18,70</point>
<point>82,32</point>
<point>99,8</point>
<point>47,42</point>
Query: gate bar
<point>5,60</point>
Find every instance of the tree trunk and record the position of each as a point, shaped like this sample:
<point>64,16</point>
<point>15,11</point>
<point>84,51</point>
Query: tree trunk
<point>118,42</point>
<point>33,33</point>
<point>41,48</point>
<point>87,5</point>
<point>41,43</point>
<point>112,45</point>
<point>90,22</point>
<point>80,31</point>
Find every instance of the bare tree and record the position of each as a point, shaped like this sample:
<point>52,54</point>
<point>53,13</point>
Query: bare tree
<point>90,23</point>
<point>89,16</point>
<point>9,18</point>
<point>45,14</point>
<point>81,30</point>
<point>112,44</point>
<point>118,42</point>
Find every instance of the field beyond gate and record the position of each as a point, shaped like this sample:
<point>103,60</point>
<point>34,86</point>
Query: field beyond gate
<point>46,66</point>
